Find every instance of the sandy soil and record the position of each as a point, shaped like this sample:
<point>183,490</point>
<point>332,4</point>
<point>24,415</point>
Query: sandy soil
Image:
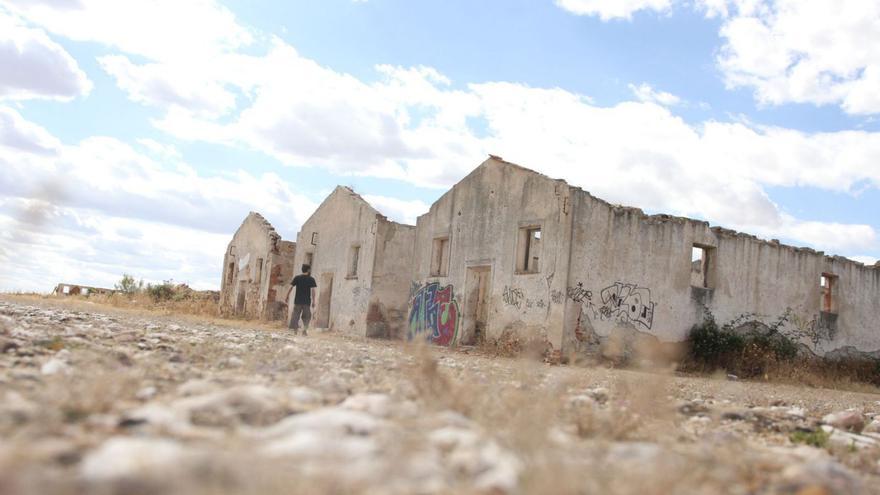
<point>100,400</point>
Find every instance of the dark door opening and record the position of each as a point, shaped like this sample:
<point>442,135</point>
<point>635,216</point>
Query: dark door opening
<point>325,294</point>
<point>477,304</point>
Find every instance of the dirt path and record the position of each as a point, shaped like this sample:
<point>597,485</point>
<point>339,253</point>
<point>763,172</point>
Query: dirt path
<point>95,400</point>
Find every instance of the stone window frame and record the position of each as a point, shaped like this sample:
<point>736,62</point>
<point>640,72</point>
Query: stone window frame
<point>707,264</point>
<point>354,254</point>
<point>441,249</point>
<point>525,248</point>
<point>829,284</point>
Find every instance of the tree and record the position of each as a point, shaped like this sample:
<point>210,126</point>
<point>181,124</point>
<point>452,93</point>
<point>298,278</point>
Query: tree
<point>128,285</point>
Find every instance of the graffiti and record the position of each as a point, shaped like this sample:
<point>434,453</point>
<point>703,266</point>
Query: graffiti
<point>434,315</point>
<point>579,294</point>
<point>414,288</point>
<point>627,303</point>
<point>557,297</point>
<point>815,329</point>
<point>513,296</point>
<point>535,303</point>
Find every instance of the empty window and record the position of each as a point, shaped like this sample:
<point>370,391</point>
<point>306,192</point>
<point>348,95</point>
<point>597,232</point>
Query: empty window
<point>314,238</point>
<point>66,289</point>
<point>310,257</point>
<point>529,249</point>
<point>230,273</point>
<point>85,291</point>
<point>440,257</point>
<point>828,287</point>
<point>259,276</point>
<point>353,261</point>
<point>701,264</point>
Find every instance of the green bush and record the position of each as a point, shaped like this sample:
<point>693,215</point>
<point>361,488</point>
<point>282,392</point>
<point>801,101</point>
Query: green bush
<point>747,354</point>
<point>161,292</point>
<point>128,285</point>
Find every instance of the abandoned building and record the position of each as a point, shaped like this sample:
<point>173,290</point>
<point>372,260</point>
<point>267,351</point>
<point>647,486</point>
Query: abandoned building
<point>361,262</point>
<point>510,252</point>
<point>257,269</point>
<point>63,289</point>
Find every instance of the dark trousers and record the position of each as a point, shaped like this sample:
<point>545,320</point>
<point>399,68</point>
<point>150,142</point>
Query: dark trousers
<point>300,309</point>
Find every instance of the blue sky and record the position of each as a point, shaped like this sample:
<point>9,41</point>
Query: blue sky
<point>134,138</point>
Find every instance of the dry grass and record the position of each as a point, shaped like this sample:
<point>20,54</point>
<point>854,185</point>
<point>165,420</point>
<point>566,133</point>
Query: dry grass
<point>202,310</point>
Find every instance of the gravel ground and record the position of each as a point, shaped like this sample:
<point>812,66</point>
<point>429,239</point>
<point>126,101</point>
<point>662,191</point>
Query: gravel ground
<point>98,400</point>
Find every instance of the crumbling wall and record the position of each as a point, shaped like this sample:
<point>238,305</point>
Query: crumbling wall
<point>344,220</point>
<point>392,266</point>
<point>253,257</point>
<point>633,275</point>
<point>484,217</point>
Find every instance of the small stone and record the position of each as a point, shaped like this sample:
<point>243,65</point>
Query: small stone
<point>146,393</point>
<point>692,408</point>
<point>234,362</point>
<point>599,394</point>
<point>376,404</point>
<point>851,440</point>
<point>845,420</point>
<point>873,427</point>
<point>7,345</point>
<point>124,457</point>
<point>732,378</point>
<point>54,366</point>
<point>824,474</point>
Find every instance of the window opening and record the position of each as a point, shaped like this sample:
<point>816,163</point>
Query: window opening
<point>701,266</point>
<point>828,286</point>
<point>529,246</point>
<point>353,261</point>
<point>440,257</point>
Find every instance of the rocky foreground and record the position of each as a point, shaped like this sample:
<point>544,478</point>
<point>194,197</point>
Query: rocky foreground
<point>104,401</point>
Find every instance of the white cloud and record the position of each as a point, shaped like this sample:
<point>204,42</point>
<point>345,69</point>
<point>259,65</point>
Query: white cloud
<point>644,92</point>
<point>166,30</point>
<point>867,260</point>
<point>398,210</point>
<point>34,66</point>
<point>91,211</point>
<point>18,134</point>
<point>820,52</point>
<point>167,85</point>
<point>613,9</point>
<point>412,125</point>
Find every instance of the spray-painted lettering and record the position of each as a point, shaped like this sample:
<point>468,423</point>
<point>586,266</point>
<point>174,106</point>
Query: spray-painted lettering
<point>627,303</point>
<point>434,315</point>
<point>513,296</point>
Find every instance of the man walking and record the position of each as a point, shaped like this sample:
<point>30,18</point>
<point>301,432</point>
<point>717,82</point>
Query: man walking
<point>303,301</point>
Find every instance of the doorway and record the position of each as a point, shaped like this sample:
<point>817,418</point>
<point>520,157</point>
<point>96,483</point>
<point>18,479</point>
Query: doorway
<point>476,304</point>
<point>325,294</point>
<point>241,301</point>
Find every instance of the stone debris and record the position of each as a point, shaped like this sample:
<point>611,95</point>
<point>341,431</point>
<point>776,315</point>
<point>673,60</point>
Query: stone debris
<point>340,415</point>
<point>845,420</point>
<point>124,457</point>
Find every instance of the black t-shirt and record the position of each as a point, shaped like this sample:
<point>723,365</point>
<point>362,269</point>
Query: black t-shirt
<point>303,284</point>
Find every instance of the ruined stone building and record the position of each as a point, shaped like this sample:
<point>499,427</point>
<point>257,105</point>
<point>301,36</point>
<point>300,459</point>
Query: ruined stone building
<point>63,289</point>
<point>510,250</point>
<point>257,269</point>
<point>361,262</point>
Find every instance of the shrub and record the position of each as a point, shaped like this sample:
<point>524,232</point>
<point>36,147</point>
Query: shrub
<point>128,285</point>
<point>816,438</point>
<point>746,353</point>
<point>161,292</point>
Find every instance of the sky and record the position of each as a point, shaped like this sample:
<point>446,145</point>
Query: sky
<point>135,136</point>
